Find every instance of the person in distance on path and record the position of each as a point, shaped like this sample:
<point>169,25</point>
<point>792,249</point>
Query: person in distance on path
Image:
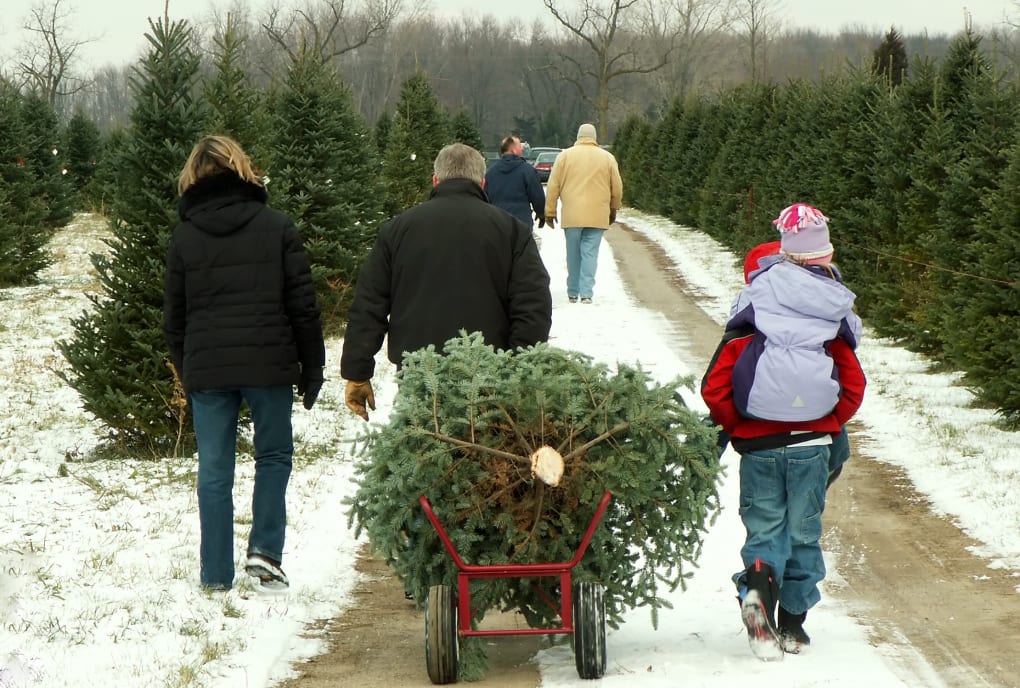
<point>513,185</point>
<point>585,181</point>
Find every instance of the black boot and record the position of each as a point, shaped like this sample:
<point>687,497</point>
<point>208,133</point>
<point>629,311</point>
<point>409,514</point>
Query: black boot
<point>791,631</point>
<point>758,611</point>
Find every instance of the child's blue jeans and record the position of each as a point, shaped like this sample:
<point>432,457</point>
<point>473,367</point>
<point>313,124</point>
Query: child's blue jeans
<point>782,496</point>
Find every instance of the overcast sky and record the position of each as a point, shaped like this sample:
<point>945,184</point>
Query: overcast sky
<point>120,24</point>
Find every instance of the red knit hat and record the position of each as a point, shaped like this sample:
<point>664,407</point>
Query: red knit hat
<point>760,251</point>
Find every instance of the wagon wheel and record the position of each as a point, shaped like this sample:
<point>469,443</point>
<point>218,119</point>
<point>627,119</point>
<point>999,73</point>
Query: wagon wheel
<point>589,630</point>
<point>441,648</point>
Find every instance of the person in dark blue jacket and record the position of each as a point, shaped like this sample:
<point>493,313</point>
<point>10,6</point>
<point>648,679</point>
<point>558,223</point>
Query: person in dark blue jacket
<point>513,185</point>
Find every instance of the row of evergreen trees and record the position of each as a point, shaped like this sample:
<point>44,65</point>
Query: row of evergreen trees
<point>919,181</point>
<point>35,195</point>
<point>337,178</point>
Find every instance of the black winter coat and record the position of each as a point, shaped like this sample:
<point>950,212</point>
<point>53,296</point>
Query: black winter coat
<point>239,306</point>
<point>513,185</point>
<point>454,262</point>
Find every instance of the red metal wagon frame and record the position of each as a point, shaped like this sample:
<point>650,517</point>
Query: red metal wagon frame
<point>468,572</point>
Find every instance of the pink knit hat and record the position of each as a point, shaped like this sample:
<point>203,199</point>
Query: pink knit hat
<point>804,233</point>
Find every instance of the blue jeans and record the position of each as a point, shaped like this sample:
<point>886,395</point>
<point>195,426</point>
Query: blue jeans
<point>216,412</point>
<point>782,496</point>
<point>582,259</point>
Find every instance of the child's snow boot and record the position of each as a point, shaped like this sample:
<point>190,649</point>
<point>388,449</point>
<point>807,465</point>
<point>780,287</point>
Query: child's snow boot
<point>791,631</point>
<point>758,611</point>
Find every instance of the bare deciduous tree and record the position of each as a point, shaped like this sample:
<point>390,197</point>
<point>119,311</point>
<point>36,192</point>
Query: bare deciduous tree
<point>46,62</point>
<point>332,27</point>
<point>693,25</point>
<point>757,17</point>
<point>611,31</point>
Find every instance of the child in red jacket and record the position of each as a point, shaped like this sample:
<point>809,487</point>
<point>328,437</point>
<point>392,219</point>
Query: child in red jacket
<point>782,384</point>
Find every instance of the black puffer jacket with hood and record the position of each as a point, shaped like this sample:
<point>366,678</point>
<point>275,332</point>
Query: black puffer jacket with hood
<point>239,306</point>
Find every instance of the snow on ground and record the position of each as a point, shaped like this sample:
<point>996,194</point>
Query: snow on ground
<point>99,559</point>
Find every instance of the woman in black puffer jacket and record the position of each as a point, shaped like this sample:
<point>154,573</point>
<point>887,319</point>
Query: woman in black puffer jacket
<point>242,324</point>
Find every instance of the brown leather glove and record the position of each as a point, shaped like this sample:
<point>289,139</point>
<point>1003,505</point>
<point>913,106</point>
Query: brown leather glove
<point>357,395</point>
<point>551,221</point>
<point>612,216</point>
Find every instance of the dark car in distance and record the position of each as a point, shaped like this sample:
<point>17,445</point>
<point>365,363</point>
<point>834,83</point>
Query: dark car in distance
<point>544,163</point>
<point>531,154</point>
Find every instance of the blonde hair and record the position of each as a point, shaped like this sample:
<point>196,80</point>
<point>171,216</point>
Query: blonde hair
<point>214,155</point>
<point>459,161</point>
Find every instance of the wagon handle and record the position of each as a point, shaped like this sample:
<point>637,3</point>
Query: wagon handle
<point>448,544</point>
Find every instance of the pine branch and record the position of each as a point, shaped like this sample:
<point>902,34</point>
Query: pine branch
<point>479,447</point>
<point>591,443</point>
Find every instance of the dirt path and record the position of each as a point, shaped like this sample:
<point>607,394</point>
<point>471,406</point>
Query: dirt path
<point>908,572</point>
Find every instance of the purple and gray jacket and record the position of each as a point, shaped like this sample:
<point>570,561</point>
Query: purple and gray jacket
<point>786,372</point>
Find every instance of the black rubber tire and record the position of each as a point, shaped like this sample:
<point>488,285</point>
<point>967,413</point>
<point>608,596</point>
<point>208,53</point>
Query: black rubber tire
<point>589,630</point>
<point>441,646</point>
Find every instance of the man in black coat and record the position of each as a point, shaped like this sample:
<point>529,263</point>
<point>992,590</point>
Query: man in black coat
<point>452,263</point>
<point>513,184</point>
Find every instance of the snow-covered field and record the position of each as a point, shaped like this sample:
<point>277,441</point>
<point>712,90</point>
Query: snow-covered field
<point>99,559</point>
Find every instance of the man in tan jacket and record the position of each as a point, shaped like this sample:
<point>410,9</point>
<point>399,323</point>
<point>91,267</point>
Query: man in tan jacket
<point>585,180</point>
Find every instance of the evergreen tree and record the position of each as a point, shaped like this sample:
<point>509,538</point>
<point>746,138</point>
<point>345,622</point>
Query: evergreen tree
<point>884,278</point>
<point>624,140</point>
<point>44,159</point>
<point>729,196</point>
<point>697,159</point>
<point>419,132</point>
<point>238,109</point>
<point>637,190</point>
<point>989,342</point>
<point>118,356</point>
<point>23,233</point>
<point>985,129</point>
<point>464,131</point>
<point>846,150</point>
<point>681,182</point>
<point>83,147</point>
<point>381,132</point>
<point>963,62</point>
<point>109,172</point>
<point>889,61</point>
<point>325,176</point>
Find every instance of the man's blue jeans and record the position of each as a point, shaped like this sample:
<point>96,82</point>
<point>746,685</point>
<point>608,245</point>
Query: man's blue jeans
<point>782,496</point>
<point>216,413</point>
<point>582,259</point>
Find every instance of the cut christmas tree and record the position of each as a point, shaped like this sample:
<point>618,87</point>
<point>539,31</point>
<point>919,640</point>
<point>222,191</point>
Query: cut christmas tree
<point>467,429</point>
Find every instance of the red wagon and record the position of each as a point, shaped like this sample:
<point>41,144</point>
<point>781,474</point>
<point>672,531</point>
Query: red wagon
<point>582,609</point>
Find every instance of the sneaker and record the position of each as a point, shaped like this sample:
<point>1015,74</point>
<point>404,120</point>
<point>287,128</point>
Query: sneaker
<point>586,299</point>
<point>572,299</point>
<point>791,631</point>
<point>268,571</point>
<point>758,609</point>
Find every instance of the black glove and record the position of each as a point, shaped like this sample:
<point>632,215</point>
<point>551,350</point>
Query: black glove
<point>309,385</point>
<point>541,222</point>
<point>612,216</point>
